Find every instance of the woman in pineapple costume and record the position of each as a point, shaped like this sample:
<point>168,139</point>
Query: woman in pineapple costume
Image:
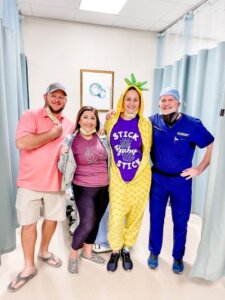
<point>130,135</point>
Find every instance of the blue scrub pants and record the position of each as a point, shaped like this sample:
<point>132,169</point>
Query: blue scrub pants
<point>178,190</point>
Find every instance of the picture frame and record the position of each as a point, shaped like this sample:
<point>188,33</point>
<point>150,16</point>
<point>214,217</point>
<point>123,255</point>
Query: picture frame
<point>96,89</point>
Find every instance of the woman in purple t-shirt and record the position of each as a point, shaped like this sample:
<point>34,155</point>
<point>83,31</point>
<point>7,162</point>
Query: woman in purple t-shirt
<point>129,134</point>
<point>85,164</point>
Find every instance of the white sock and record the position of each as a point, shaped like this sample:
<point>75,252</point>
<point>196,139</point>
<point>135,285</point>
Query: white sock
<point>126,249</point>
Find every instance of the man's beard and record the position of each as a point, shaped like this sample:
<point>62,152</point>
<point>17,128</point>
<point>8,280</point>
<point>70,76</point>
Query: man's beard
<point>56,111</point>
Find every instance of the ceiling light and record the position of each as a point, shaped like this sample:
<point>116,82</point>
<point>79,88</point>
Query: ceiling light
<point>103,6</point>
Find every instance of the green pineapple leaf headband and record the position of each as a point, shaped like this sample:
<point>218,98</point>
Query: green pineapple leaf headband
<point>136,83</point>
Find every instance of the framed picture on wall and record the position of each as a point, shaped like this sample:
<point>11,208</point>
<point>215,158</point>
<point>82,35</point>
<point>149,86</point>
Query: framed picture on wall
<point>96,89</point>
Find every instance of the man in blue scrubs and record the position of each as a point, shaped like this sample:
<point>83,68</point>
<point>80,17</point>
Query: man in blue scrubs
<point>175,137</point>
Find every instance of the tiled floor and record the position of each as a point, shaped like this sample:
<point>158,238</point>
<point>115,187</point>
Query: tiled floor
<point>95,283</point>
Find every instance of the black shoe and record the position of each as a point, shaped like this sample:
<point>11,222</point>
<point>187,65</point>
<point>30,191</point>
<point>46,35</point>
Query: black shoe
<point>113,262</point>
<point>127,262</point>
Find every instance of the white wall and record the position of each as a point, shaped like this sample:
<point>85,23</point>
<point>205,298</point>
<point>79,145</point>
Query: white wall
<point>57,50</point>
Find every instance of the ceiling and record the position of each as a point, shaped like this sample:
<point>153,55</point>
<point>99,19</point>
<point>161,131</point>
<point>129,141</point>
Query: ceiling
<point>149,15</point>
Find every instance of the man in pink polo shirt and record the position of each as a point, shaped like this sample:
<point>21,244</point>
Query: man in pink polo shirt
<point>38,137</point>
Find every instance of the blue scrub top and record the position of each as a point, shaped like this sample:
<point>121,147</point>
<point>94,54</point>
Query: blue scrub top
<point>173,147</point>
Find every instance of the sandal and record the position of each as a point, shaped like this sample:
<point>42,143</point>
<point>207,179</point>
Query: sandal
<point>51,260</point>
<point>19,279</point>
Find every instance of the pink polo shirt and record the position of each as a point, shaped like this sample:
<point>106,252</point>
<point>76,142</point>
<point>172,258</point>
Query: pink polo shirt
<point>38,168</point>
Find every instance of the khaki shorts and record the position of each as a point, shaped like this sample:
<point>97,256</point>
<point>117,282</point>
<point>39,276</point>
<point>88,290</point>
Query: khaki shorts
<point>31,205</point>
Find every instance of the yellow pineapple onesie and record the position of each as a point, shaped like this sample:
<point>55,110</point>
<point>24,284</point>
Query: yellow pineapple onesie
<point>128,200</point>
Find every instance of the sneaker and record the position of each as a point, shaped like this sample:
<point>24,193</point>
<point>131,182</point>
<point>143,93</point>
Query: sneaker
<point>97,259</point>
<point>127,262</point>
<point>113,262</point>
<point>73,266</point>
<point>178,266</point>
<point>153,261</point>
<point>101,248</point>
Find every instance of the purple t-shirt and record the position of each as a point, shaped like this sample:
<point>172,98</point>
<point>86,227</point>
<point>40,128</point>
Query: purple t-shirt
<point>91,159</point>
<point>126,143</point>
